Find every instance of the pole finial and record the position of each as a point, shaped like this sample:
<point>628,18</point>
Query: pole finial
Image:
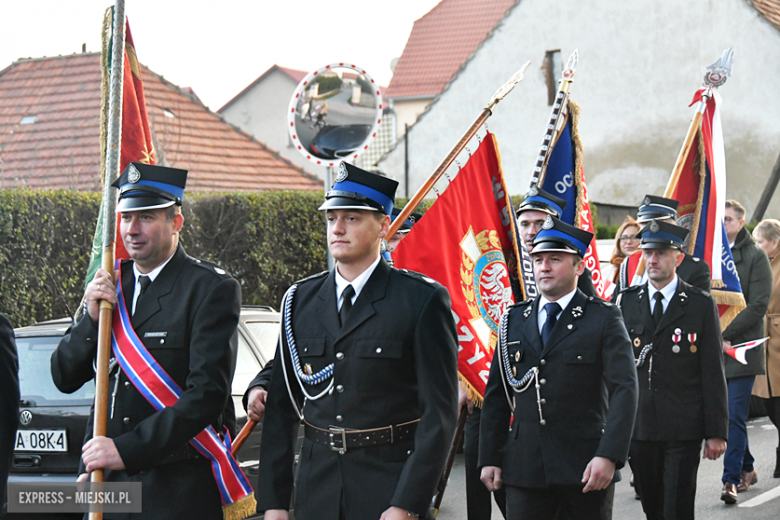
<point>719,72</point>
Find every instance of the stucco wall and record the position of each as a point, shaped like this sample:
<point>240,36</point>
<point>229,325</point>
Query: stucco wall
<point>262,111</point>
<point>640,63</point>
<point>406,113</point>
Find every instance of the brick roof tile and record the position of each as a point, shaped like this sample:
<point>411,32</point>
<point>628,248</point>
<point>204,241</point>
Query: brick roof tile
<point>61,149</point>
<point>440,42</point>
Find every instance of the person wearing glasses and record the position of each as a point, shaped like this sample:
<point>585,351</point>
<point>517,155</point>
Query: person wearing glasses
<point>626,242</point>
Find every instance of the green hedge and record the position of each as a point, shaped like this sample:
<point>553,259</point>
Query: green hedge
<point>267,240</point>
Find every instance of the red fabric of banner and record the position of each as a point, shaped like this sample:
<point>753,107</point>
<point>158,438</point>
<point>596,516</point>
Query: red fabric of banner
<point>463,242</point>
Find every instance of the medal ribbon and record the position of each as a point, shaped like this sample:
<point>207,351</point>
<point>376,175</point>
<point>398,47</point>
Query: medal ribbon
<point>161,391</point>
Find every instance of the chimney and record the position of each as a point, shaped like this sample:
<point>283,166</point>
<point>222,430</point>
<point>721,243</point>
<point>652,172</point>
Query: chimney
<point>83,48</point>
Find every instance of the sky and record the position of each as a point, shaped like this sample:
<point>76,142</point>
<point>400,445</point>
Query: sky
<point>218,47</point>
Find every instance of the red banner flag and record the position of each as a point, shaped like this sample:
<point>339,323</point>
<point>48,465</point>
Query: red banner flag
<point>136,132</point>
<point>466,243</point>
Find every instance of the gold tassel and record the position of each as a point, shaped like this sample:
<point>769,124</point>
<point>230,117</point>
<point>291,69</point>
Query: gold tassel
<point>574,113</point>
<point>242,508</point>
<point>735,301</point>
<point>471,392</point>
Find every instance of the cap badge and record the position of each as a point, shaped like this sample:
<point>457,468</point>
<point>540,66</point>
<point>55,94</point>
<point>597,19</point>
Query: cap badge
<point>133,175</point>
<point>647,200</point>
<point>654,227</point>
<point>548,223</point>
<point>342,175</point>
<point>532,192</point>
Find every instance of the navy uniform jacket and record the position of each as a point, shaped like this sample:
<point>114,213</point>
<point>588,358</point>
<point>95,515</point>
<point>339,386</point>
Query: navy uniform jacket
<point>395,360</point>
<point>682,395</point>
<point>9,400</point>
<point>187,319</point>
<point>588,392</point>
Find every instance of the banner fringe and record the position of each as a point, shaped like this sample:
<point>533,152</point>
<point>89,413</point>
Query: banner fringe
<point>700,196</point>
<point>574,113</point>
<point>471,393</point>
<point>242,508</point>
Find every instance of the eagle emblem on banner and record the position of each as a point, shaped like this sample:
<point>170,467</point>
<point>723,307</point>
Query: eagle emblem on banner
<point>485,283</point>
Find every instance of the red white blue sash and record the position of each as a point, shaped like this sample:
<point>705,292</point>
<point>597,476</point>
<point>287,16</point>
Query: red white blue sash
<point>161,391</point>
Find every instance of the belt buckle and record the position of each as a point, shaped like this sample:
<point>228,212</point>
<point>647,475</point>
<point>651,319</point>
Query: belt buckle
<point>334,431</point>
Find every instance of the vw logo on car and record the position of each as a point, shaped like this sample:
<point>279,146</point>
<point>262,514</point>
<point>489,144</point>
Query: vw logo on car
<point>25,417</point>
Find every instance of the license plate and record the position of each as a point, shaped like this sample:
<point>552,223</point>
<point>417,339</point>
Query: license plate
<point>41,440</point>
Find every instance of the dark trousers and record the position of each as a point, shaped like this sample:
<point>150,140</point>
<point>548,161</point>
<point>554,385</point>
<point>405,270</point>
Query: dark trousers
<point>477,495</point>
<point>665,477</point>
<point>772,406</point>
<point>738,457</point>
<point>559,502</point>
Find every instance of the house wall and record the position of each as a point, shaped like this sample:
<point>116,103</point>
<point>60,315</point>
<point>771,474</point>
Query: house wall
<point>406,113</point>
<point>640,63</point>
<point>262,111</point>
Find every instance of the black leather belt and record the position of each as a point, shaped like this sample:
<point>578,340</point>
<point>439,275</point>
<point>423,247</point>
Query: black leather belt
<point>185,452</point>
<point>339,439</point>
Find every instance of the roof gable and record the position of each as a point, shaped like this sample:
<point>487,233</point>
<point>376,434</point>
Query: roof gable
<point>61,148</point>
<point>440,42</point>
<point>293,74</point>
<point>770,9</point>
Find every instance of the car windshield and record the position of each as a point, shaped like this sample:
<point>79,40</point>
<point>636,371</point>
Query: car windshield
<point>247,367</point>
<point>265,334</point>
<point>35,380</point>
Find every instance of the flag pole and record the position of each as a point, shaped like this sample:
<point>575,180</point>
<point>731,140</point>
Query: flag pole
<point>113,150</point>
<point>500,94</point>
<point>716,76</point>
<point>555,123</point>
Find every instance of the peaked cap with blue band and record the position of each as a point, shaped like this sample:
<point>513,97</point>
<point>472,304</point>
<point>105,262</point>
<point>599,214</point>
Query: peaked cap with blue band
<point>148,186</point>
<point>557,236</point>
<point>410,221</point>
<point>661,234</point>
<point>539,200</point>
<point>654,207</point>
<point>355,188</point>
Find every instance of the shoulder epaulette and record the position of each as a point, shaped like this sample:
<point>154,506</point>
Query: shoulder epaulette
<point>603,303</point>
<point>419,277</point>
<point>698,290</point>
<point>630,288</point>
<point>213,268</point>
<point>312,277</point>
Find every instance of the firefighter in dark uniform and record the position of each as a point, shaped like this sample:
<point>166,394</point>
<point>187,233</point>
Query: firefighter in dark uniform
<point>675,332</point>
<point>373,350</point>
<point>530,216</point>
<point>564,372</point>
<point>185,312</point>
<point>9,401</point>
<point>692,269</point>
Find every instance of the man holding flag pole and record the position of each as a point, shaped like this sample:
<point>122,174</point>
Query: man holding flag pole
<point>161,330</point>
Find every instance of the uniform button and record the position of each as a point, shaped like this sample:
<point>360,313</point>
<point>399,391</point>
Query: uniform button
<point>543,381</point>
<point>162,341</point>
<point>379,350</point>
<point>339,418</point>
<point>543,362</point>
<point>543,401</point>
<point>305,349</point>
<point>410,452</point>
<point>579,358</point>
<point>127,383</point>
<point>126,420</point>
<point>339,355</point>
<point>542,422</point>
<point>340,388</point>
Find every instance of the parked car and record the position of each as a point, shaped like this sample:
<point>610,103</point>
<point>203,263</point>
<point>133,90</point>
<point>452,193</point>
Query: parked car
<point>52,424</point>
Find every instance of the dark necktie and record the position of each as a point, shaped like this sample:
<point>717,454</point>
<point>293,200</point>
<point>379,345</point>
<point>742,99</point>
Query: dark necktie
<point>658,310</point>
<point>144,281</point>
<point>346,305</point>
<point>552,309</point>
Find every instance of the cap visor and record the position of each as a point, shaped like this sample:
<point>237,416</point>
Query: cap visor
<point>541,210</point>
<point>660,245</point>
<point>553,247</point>
<point>127,204</point>
<point>345,203</point>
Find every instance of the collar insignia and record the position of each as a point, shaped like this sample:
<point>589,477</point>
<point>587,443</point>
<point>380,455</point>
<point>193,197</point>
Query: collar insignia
<point>576,312</point>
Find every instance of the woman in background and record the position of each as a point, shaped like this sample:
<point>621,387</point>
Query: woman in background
<point>625,244</point>
<point>767,235</point>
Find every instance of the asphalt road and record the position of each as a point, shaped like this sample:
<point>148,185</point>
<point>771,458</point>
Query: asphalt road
<point>762,502</point>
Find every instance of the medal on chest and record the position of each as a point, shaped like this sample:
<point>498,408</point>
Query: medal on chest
<point>692,341</point>
<point>676,338</point>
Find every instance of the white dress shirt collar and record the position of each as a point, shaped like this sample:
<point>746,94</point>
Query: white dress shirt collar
<point>667,291</point>
<point>563,301</point>
<point>152,275</point>
<point>357,284</point>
